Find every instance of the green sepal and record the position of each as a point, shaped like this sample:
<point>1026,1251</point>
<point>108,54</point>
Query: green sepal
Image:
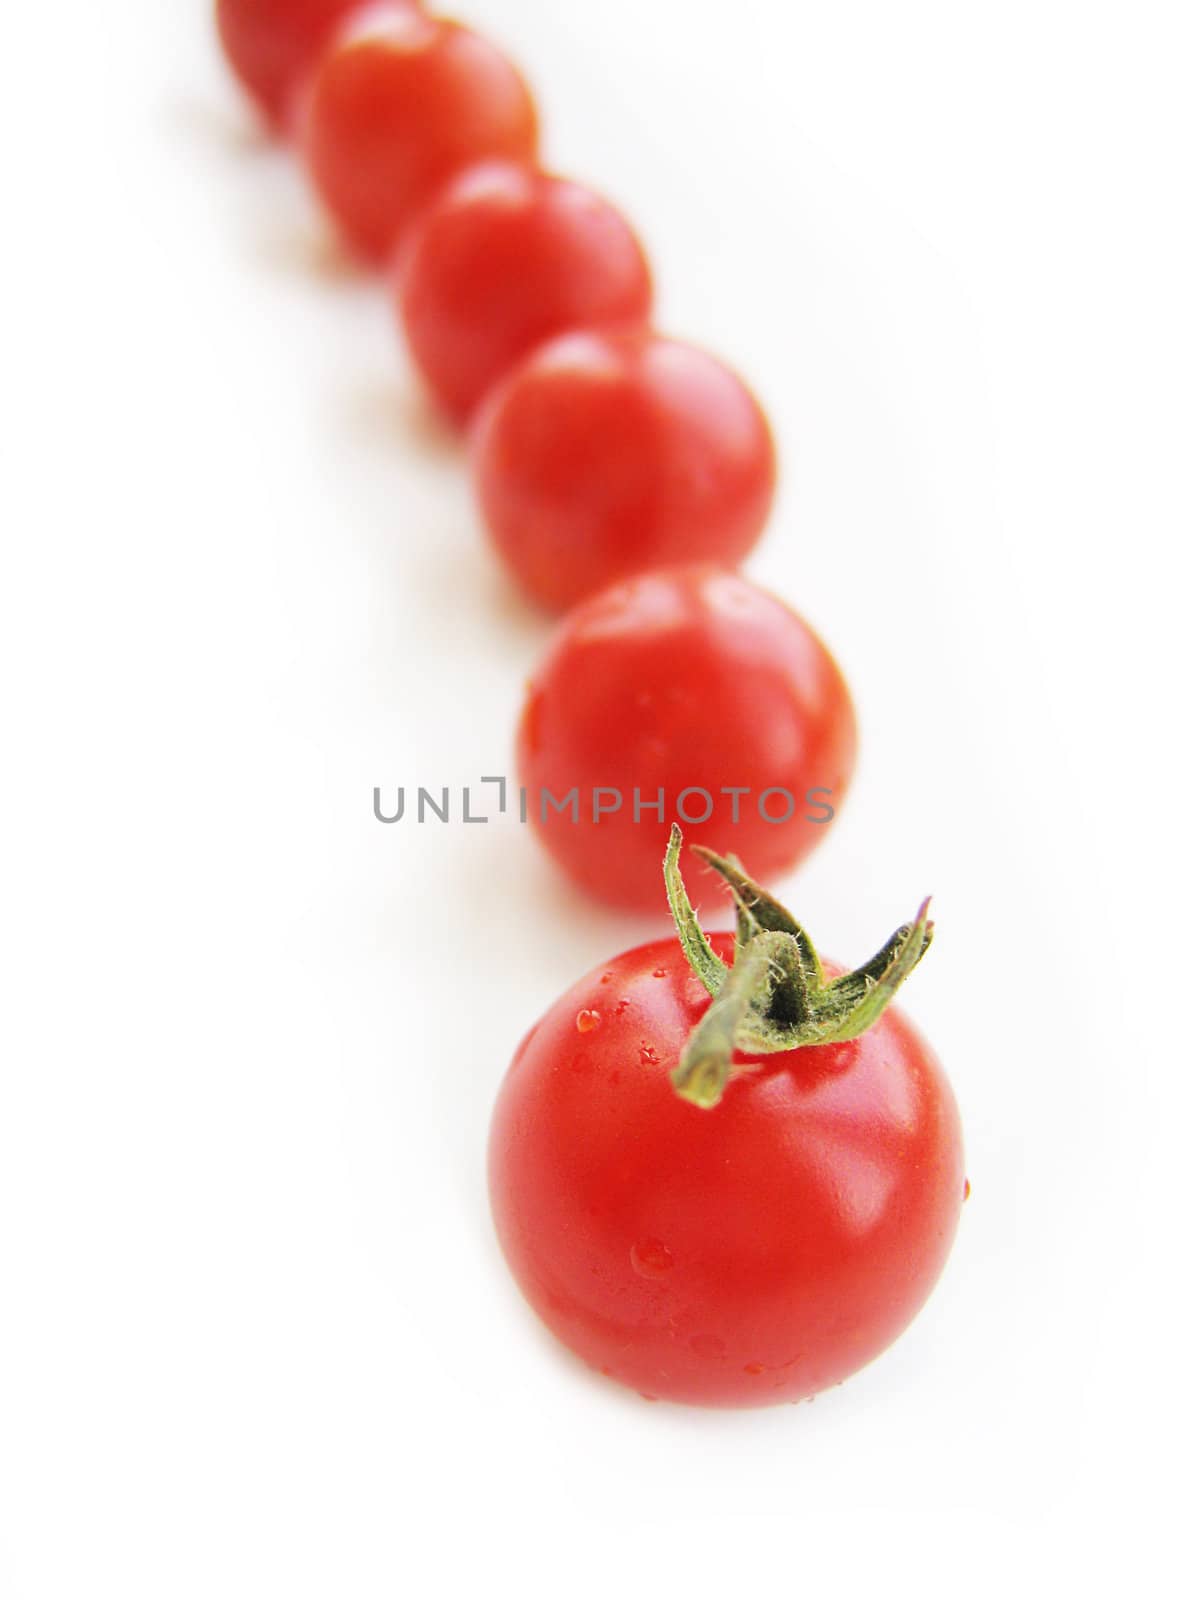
<point>702,958</point>
<point>707,1059</point>
<point>763,911</point>
<point>776,996</point>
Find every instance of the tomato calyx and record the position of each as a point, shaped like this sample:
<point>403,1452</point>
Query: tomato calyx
<point>777,995</point>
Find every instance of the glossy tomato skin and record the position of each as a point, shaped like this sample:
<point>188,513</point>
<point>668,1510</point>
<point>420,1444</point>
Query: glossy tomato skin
<point>398,105</point>
<point>742,1256</point>
<point>271,44</point>
<point>505,259</point>
<point>687,679</point>
<point>610,452</point>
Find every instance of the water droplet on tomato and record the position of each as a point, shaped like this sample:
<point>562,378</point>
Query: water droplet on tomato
<point>660,972</point>
<point>649,1055</point>
<point>651,1258</point>
<point>587,1020</point>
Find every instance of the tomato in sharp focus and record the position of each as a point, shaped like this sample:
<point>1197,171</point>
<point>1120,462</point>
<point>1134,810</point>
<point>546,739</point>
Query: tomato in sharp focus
<point>754,1252</point>
<point>610,452</point>
<point>506,258</point>
<point>399,104</point>
<point>691,681</point>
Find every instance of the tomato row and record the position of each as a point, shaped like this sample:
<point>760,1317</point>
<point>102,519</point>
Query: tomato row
<point>797,1170</point>
<point>601,450</point>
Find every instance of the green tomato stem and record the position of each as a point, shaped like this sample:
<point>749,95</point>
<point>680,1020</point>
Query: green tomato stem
<point>776,996</point>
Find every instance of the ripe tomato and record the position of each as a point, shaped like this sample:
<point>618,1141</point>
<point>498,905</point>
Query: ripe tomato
<point>397,106</point>
<point>506,258</point>
<point>607,453</point>
<point>753,1252</point>
<point>271,44</point>
<point>692,682</point>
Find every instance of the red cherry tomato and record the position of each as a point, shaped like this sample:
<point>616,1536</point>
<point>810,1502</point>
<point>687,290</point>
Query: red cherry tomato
<point>271,44</point>
<point>752,1253</point>
<point>612,452</point>
<point>507,258</point>
<point>397,106</point>
<point>693,682</point>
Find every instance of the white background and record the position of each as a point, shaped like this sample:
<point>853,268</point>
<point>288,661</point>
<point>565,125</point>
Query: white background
<point>255,1336</point>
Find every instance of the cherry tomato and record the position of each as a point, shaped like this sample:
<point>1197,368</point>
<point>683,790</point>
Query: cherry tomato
<point>607,453</point>
<point>691,682</point>
<point>271,44</point>
<point>754,1252</point>
<point>399,104</point>
<point>506,258</point>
